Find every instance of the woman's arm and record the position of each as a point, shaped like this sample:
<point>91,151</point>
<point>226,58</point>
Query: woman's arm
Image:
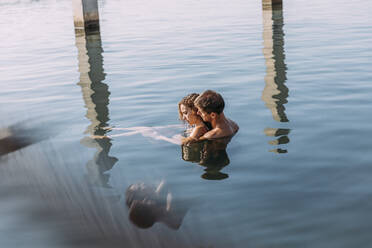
<point>196,133</point>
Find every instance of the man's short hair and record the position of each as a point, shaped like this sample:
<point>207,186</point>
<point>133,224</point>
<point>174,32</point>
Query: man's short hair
<point>210,101</point>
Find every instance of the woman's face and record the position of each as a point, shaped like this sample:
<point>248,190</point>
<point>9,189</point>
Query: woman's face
<point>188,115</point>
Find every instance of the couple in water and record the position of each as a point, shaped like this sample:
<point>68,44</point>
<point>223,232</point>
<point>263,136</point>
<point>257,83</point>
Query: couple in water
<point>205,113</point>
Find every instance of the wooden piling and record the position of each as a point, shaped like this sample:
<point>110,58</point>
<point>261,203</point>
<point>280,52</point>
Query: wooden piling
<point>272,4</point>
<point>86,16</point>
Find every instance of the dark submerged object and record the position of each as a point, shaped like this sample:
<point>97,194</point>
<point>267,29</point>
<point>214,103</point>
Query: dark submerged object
<point>11,144</point>
<point>148,204</point>
<point>16,137</point>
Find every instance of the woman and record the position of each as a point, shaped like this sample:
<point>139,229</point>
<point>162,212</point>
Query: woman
<point>188,112</point>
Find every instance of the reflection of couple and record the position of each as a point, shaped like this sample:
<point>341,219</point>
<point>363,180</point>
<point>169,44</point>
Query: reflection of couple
<point>210,154</point>
<point>205,113</point>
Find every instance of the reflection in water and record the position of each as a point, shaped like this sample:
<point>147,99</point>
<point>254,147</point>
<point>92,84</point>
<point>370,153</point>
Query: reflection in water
<point>282,134</point>
<point>96,98</point>
<point>275,92</point>
<point>149,204</point>
<point>210,154</point>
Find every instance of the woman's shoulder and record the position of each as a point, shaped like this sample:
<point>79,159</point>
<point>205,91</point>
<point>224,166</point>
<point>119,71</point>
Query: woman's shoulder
<point>199,130</point>
<point>202,128</point>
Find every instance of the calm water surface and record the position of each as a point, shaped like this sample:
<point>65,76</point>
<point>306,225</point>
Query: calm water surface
<point>297,81</point>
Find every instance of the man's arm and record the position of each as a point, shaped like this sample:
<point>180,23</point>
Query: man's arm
<point>188,140</point>
<point>217,133</point>
<point>194,136</point>
<point>212,134</point>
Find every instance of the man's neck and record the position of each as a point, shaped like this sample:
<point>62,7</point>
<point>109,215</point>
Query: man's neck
<point>220,119</point>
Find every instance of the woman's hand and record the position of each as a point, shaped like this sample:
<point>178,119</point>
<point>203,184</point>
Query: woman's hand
<point>188,140</point>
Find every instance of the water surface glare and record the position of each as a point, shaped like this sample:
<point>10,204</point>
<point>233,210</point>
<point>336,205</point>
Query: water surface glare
<point>296,80</point>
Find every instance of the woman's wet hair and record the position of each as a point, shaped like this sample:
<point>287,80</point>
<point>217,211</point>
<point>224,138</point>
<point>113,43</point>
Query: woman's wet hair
<point>188,101</point>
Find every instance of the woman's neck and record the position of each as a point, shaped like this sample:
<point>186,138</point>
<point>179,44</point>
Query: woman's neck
<point>199,122</point>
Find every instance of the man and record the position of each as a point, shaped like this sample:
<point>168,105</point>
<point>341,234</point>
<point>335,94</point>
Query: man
<point>210,106</point>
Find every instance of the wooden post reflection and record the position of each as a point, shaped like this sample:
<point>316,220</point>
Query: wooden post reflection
<point>275,92</point>
<point>96,99</point>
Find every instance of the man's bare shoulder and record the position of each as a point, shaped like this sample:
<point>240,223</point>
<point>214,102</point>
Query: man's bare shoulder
<point>212,134</point>
<point>234,126</point>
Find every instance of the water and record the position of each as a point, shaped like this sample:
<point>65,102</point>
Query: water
<point>297,82</point>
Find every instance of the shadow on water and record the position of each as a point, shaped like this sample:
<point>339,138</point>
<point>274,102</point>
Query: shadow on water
<point>210,154</point>
<point>23,134</point>
<point>275,92</point>
<point>16,137</point>
<point>44,202</point>
<point>96,98</point>
<point>46,205</point>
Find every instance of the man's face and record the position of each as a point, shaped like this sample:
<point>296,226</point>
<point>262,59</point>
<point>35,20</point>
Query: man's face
<point>204,115</point>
